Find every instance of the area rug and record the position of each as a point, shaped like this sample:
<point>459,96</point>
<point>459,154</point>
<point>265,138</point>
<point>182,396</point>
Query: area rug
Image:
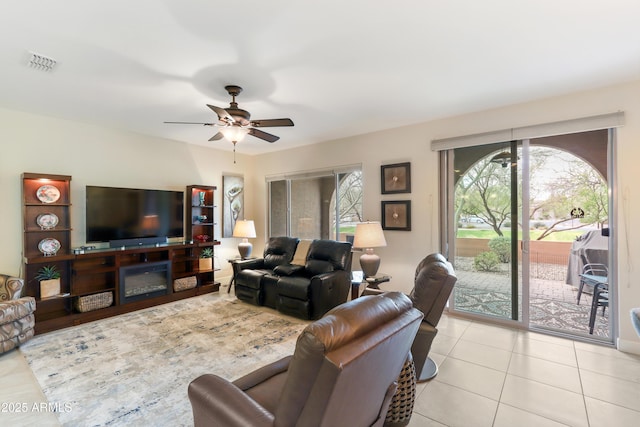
<point>134,369</point>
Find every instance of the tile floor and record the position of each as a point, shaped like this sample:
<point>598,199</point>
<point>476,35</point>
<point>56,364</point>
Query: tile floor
<point>496,376</point>
<point>489,376</point>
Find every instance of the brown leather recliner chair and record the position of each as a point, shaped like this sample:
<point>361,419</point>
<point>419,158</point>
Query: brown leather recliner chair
<point>434,281</point>
<point>343,372</point>
<point>17,319</point>
<point>255,282</point>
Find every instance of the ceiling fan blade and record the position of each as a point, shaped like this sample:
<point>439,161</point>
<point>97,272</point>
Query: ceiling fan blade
<point>271,123</point>
<point>263,135</point>
<point>216,137</point>
<point>222,113</point>
<point>192,123</point>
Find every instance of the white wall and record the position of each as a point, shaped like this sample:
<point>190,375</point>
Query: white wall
<point>94,155</point>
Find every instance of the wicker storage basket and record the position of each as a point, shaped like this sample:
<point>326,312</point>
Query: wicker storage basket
<point>401,407</point>
<point>185,283</point>
<point>94,302</point>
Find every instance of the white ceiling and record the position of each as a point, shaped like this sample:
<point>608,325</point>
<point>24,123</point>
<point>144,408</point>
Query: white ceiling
<point>336,68</point>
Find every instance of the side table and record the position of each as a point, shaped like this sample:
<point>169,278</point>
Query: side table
<point>235,265</point>
<point>357,277</point>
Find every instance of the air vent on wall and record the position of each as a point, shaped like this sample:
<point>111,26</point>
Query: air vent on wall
<point>41,62</point>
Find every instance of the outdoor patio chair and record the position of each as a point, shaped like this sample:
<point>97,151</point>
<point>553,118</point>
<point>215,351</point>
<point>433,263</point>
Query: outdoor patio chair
<point>600,299</point>
<point>592,274</point>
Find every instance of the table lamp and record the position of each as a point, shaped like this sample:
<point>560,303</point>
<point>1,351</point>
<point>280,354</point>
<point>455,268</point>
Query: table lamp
<point>369,235</point>
<point>247,230</point>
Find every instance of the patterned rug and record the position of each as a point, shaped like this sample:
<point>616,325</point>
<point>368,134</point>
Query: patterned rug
<point>545,313</point>
<point>134,369</point>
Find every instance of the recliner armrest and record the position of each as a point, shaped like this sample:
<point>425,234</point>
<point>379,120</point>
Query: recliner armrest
<point>251,264</point>
<point>328,290</point>
<point>236,409</point>
<point>288,269</point>
<point>262,374</point>
<point>337,275</point>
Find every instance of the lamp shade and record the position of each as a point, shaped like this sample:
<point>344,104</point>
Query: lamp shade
<point>247,230</point>
<point>244,228</point>
<point>369,235</point>
<point>234,133</point>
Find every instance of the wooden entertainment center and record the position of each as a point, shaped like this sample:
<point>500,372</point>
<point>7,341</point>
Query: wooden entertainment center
<point>88,273</point>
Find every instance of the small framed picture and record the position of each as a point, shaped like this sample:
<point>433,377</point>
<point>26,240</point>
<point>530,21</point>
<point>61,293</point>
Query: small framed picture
<point>395,178</point>
<point>396,215</point>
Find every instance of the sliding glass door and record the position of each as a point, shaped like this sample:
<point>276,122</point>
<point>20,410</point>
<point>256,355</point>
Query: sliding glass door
<point>524,218</point>
<point>487,187</point>
<point>319,205</point>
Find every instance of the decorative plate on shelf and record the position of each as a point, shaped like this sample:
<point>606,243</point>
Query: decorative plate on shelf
<point>49,246</point>
<point>47,221</point>
<point>48,194</point>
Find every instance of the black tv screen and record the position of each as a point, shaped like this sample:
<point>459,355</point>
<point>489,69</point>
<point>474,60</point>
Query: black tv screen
<point>127,213</point>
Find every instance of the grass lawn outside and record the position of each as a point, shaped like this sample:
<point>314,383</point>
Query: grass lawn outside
<point>561,236</point>
<point>478,233</point>
<point>348,229</point>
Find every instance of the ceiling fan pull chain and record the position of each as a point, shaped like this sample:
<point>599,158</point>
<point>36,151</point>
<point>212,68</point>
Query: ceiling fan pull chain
<point>234,152</point>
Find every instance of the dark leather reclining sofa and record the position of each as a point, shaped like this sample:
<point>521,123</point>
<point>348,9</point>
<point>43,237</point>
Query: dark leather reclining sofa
<point>307,291</point>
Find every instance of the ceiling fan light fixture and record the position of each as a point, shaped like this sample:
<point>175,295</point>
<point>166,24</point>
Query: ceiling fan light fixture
<point>503,158</point>
<point>234,133</point>
<point>235,123</point>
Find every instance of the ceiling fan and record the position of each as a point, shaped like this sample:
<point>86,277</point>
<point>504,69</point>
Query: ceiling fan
<point>235,123</point>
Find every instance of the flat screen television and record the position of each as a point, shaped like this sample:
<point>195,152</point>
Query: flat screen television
<point>130,216</point>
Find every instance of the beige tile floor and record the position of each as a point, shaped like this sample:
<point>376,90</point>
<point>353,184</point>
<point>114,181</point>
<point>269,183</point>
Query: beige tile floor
<point>496,376</point>
<point>489,376</point>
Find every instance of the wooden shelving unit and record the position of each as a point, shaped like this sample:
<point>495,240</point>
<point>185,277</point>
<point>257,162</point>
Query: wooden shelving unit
<point>98,271</point>
<point>47,238</point>
<point>200,212</point>
<point>201,221</point>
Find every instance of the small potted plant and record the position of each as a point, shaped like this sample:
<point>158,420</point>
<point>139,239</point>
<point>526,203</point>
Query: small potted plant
<point>49,278</point>
<point>206,259</point>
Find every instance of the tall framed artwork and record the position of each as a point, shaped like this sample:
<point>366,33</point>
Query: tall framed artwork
<point>232,202</point>
<point>395,178</point>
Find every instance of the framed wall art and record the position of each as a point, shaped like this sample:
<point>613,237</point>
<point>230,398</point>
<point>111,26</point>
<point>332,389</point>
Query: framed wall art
<point>395,178</point>
<point>232,202</point>
<point>396,215</point>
